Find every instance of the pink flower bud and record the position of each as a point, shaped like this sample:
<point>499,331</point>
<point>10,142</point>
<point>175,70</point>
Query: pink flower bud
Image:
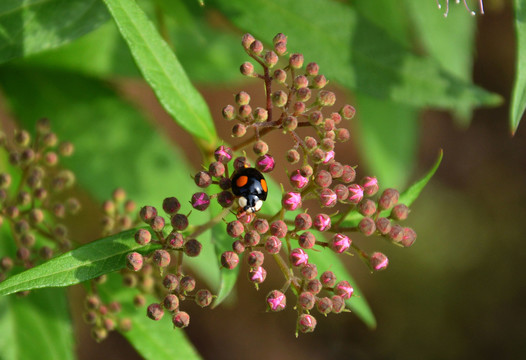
<point>323,178</point>
<point>229,260</point>
<point>339,243</point>
<point>247,69</point>
<point>200,201</point>
<point>297,180</point>
<point>306,300</point>
<point>322,222</point>
<point>355,193</point>
<point>378,261</point>
<point>409,237</point>
<point>325,98</point>
<point>328,198</point>
<point>273,245</point>
<point>388,199</point>
<point>344,289</point>
<point>328,279</point>
<point>303,221</point>
<point>383,225</point>
<point>347,111</point>
<point>291,201</point>
<point>276,300</point>
<point>265,163</point>
<point>367,226</point>
<point>329,156</point>
<point>312,69</point>
<point>257,274</point>
<point>370,185</point>
<point>279,229</point>
<point>223,154</point>
<point>298,257</point>
<point>307,240</point>
<point>306,323</point>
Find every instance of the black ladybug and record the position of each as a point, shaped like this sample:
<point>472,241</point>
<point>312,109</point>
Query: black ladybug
<point>249,185</point>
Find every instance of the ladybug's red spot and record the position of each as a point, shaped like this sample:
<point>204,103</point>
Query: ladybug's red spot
<point>241,181</point>
<point>264,185</point>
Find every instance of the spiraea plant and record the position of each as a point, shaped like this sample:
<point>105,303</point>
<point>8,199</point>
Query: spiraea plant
<point>319,210</point>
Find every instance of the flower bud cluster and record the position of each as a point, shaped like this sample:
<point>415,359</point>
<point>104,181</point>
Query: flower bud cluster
<point>103,317</point>
<point>160,272</point>
<point>119,213</point>
<point>34,196</point>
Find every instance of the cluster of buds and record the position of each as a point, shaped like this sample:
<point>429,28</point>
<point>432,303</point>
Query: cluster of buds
<point>297,105</point>
<point>34,200</point>
<point>119,213</point>
<point>161,273</point>
<point>103,317</point>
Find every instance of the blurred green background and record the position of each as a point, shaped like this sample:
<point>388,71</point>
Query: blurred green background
<point>458,293</point>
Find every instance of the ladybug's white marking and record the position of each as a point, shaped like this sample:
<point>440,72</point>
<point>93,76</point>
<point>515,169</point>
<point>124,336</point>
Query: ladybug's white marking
<point>259,204</point>
<point>242,201</point>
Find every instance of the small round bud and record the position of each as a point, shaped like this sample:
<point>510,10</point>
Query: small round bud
<point>367,207</point>
<point>347,111</point>
<point>299,108</point>
<point>260,148</point>
<point>179,222</point>
<point>66,149</point>
<point>342,135</point>
<point>229,259</point>
<point>276,300</point>
<point>235,228</point>
<point>307,240</point>
<point>223,154</point>
<point>279,37</point>
<point>271,59</point>
<point>367,226</point>
<point>355,193</point>
<point>139,300</point>
<point>229,113</point>
<point>290,123</point>
<point>161,258</point>
<point>301,81</point>
<point>316,118</point>
<point>409,237</point>
<point>203,298</point>
<point>261,225</point>
<point>247,40</point>
<point>257,274</point>
<point>303,94</point>
<point>319,82</point>
<point>324,305</point>
<point>303,221</point>
<point>318,155</point>
<point>306,171</point>
<point>309,271</point>
<point>157,223</point>
<point>21,227</point>
<point>171,302</point>
<point>238,247</point>
<point>328,198</point>
<point>280,47</point>
<point>306,300</point>
<point>171,282</point>
<point>6,263</point>
<point>312,69</point>
<point>349,174</point>
<point>280,76</point>
<point>252,238</point>
<point>296,61</point>
<point>297,180</point>
<point>291,201</point>
<point>339,243</point>
<point>279,229</point>
<point>383,225</point>
<point>99,333</point>
<point>344,289</point>
<point>28,240</point>
<point>322,222</point>
<point>341,192</point>
<point>396,233</point>
<point>239,130</point>
<point>400,212</point>
<point>192,248</point>
<point>260,115</point>
<point>255,258</point>
<point>242,98</point>
<point>298,257</point>
<point>181,319</point>
<point>273,245</point>
<point>187,283</point>
<point>175,240</point>
<point>327,144</point>
<point>73,205</point>
<point>5,180</point>
<point>370,185</point>
<point>22,137</point>
<point>378,261</point>
<point>247,69</point>
<point>155,311</point>
<point>200,201</point>
<point>241,162</point>
<point>171,205</point>
<point>338,304</point>
<point>23,253</point>
<point>225,199</point>
<point>92,302</point>
<point>265,163</point>
<point>388,199</point>
<point>143,237</point>
<point>328,279</point>
<point>256,47</point>
<point>314,286</point>
<point>27,156</point>
<point>90,317</point>
<point>23,198</point>
<point>147,213</point>
<point>279,98</point>
<point>45,252</point>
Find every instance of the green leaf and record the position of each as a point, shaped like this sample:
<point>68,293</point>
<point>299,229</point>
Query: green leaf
<point>326,259</point>
<point>449,40</point>
<point>354,52</point>
<point>518,103</point>
<point>152,339</point>
<point>84,263</point>
<point>388,134</point>
<point>162,70</point>
<point>107,52</point>
<point>407,197</point>
<point>31,26</point>
<point>37,326</point>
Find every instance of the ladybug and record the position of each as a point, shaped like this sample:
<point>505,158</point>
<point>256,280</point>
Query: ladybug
<point>249,185</point>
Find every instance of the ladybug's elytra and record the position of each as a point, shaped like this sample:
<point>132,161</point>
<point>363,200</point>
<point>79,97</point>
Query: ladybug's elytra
<point>249,185</point>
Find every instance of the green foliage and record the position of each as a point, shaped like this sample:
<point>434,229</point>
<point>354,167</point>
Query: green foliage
<point>518,104</point>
